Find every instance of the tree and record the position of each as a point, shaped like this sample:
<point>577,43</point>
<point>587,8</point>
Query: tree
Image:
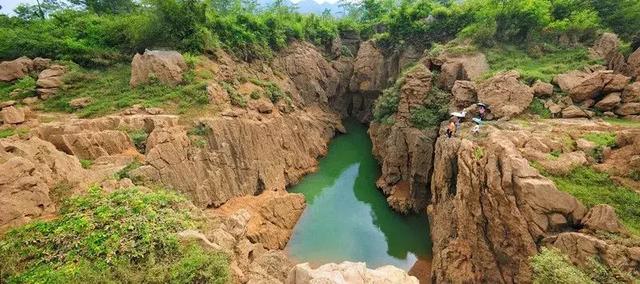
<point>40,10</point>
<point>106,6</point>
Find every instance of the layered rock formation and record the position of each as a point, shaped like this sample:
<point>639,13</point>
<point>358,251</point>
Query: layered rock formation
<point>406,152</point>
<point>241,156</point>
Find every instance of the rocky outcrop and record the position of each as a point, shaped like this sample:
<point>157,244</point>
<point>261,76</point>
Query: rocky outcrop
<point>95,138</point>
<point>634,64</point>
<point>314,77</point>
<point>464,94</point>
<point>29,171</point>
<point>15,69</point>
<point>12,115</point>
<point>489,208</point>
<point>406,152</point>
<point>604,46</point>
<point>542,89</point>
<point>583,86</point>
<point>455,67</point>
<point>165,66</point>
<point>603,218</point>
<point>348,272</point>
<point>609,102</point>
<point>505,94</point>
<point>369,70</point>
<point>50,81</point>
<point>273,216</point>
<point>239,156</point>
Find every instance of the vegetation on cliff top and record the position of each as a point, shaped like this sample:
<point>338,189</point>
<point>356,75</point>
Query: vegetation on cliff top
<point>103,32</point>
<point>102,238</point>
<point>551,266</point>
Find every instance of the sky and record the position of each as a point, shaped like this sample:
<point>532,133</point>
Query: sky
<point>9,5</point>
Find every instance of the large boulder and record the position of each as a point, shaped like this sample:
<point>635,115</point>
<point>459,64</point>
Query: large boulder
<point>464,94</point>
<point>165,66</point>
<point>348,272</point>
<point>634,64</point>
<point>15,69</point>
<point>609,102</point>
<point>631,93</point>
<point>603,218</point>
<point>414,91</point>
<point>574,111</point>
<point>505,94</point>
<point>604,46</point>
<point>460,67</point>
<point>582,86</point>
<point>542,89</point>
<point>12,115</point>
<point>628,109</point>
<point>50,81</point>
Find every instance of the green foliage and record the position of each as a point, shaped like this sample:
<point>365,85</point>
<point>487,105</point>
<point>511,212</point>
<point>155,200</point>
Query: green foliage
<point>537,107</point>
<point>554,61</point>
<point>86,164</point>
<point>200,129</point>
<point>478,153</point>
<point>593,188</point>
<point>22,88</point>
<point>98,237</point>
<point>551,266</point>
<point>109,91</point>
<point>236,98</point>
<point>386,105</point>
<point>7,132</point>
<point>603,139</point>
<point>139,139</point>
<point>433,112</point>
<point>623,122</point>
<point>124,172</point>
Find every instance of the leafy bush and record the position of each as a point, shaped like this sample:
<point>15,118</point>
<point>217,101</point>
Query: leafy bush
<point>86,164</point>
<point>593,188</point>
<point>7,132</point>
<point>124,172</point>
<point>603,139</point>
<point>236,98</point>
<point>537,107</point>
<point>551,266</point>
<point>99,237</point>
<point>386,105</point>
<point>139,139</point>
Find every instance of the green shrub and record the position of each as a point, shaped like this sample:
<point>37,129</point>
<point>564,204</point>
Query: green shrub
<point>86,164</point>
<point>236,98</point>
<point>7,132</point>
<point>551,266</point>
<point>478,153</point>
<point>603,139</point>
<point>537,107</point>
<point>200,129</point>
<point>124,172</point>
<point>139,139</point>
<point>593,188</point>
<point>386,105</point>
<point>105,238</point>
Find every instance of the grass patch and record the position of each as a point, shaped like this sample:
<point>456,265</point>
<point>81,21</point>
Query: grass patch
<point>4,133</point>
<point>553,62</point>
<point>478,153</point>
<point>109,91</point>
<point>25,87</point>
<point>537,107</point>
<point>623,122</point>
<point>107,238</point>
<point>124,172</point>
<point>593,188</point>
<point>236,98</point>
<point>139,139</point>
<point>603,139</point>
<point>551,266</point>
<point>86,164</point>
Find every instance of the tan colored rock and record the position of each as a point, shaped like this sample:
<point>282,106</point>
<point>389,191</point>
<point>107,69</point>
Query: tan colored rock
<point>242,156</point>
<point>50,81</point>
<point>631,93</point>
<point>505,94</point>
<point>166,66</point>
<point>574,111</point>
<point>314,77</point>
<point>262,105</point>
<point>461,67</point>
<point>348,272</point>
<point>7,104</point>
<point>269,267</point>
<point>563,164</point>
<point>582,86</point>
<point>628,109</point>
<point>369,70</point>
<point>29,170</point>
<point>40,64</point>
<point>464,94</point>
<point>610,102</point>
<point>603,218</point>
<point>15,69</point>
<point>542,89</point>
<point>634,63</point>
<point>272,216</point>
<point>414,91</point>
<point>30,101</point>
<point>585,145</point>
<point>487,211</point>
<point>80,102</point>
<point>604,46</point>
<point>12,115</point>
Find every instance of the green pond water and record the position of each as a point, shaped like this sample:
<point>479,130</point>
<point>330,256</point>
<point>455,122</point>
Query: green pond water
<point>347,218</point>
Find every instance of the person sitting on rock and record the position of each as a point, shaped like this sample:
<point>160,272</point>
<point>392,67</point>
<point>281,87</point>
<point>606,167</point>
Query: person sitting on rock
<point>482,110</point>
<point>451,127</point>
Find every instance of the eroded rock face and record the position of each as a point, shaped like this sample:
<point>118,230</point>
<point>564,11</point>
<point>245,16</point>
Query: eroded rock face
<point>369,70</point>
<point>15,69</point>
<point>405,152</point>
<point>634,64</point>
<point>542,89</point>
<point>12,115</point>
<point>464,94</point>
<point>29,169</point>
<point>313,76</point>
<point>489,208</point>
<point>583,86</point>
<point>505,94</point>
<point>603,218</point>
<point>166,66</point>
<point>273,216</point>
<point>50,81</point>
<point>348,272</point>
<point>605,45</point>
<point>460,67</point>
<point>240,156</point>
